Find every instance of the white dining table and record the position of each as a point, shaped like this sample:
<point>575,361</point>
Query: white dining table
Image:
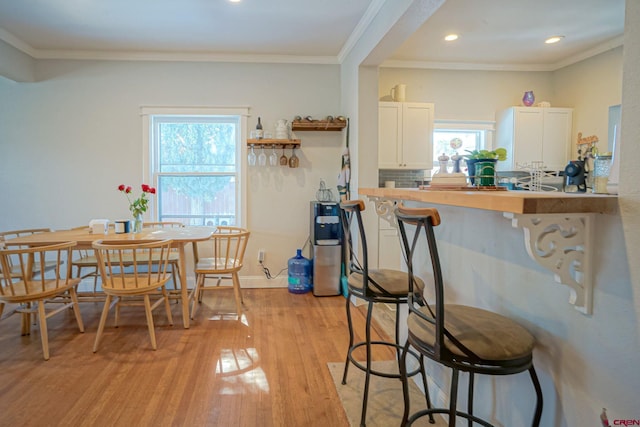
<point>181,236</point>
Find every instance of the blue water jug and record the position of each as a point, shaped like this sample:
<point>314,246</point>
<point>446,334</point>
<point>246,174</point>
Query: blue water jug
<point>300,274</point>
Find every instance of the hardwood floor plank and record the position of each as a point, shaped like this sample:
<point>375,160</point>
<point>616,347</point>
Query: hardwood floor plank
<point>267,369</point>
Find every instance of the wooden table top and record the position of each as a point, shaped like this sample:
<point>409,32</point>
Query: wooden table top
<point>84,237</point>
<point>518,202</point>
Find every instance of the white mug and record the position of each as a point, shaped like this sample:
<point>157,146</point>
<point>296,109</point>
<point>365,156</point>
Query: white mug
<point>398,92</point>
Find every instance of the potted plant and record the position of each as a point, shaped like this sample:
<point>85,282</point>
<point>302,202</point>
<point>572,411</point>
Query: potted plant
<point>488,158</point>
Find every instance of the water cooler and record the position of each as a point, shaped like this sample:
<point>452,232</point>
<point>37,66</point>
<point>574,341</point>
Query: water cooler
<point>326,248</point>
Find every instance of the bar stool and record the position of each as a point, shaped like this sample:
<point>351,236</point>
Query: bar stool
<point>373,286</point>
<point>463,338</point>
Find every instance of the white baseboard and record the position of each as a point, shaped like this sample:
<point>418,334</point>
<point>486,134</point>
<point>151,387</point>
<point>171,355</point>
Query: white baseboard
<point>257,282</point>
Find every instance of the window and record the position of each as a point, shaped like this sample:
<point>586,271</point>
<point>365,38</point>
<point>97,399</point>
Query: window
<point>194,163</point>
<point>451,137</point>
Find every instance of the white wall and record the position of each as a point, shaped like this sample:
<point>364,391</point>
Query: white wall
<point>467,95</point>
<point>591,86</point>
<point>69,139</point>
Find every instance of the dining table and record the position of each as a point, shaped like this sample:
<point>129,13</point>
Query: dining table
<point>84,237</point>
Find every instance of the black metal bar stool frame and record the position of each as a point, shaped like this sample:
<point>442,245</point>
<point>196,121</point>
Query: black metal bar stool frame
<point>373,286</point>
<point>463,338</point>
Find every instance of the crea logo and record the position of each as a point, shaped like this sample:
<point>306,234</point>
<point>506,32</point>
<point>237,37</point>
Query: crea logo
<point>626,422</point>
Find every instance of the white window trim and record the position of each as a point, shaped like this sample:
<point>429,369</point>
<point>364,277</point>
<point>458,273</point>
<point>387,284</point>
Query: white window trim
<point>241,149</point>
<point>489,126</point>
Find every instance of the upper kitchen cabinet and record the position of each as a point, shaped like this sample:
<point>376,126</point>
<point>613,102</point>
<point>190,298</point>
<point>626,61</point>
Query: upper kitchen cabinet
<point>405,135</point>
<point>534,134</point>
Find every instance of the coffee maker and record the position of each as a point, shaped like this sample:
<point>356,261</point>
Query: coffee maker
<point>574,177</point>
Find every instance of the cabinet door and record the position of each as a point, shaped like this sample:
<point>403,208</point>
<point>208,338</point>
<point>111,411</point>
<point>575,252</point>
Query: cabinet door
<point>556,141</point>
<point>527,137</point>
<point>389,252</point>
<point>389,135</point>
<point>417,135</point>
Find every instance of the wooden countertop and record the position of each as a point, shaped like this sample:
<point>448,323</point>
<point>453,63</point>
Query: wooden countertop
<point>518,202</point>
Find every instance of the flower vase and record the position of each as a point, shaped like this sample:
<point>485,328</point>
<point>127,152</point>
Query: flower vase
<point>137,223</point>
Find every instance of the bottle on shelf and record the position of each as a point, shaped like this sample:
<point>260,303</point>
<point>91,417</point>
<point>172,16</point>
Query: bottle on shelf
<point>259,131</point>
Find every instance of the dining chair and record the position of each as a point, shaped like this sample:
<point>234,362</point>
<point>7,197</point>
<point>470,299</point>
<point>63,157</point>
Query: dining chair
<point>18,285</point>
<point>127,274</point>
<point>86,259</point>
<point>375,286</point>
<point>174,255</point>
<point>228,245</point>
<point>463,338</point>
<point>14,267</point>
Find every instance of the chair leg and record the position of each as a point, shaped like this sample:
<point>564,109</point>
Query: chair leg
<point>44,335</point>
<point>470,398</point>
<point>103,320</point>
<point>453,398</point>
<point>147,310</point>
<point>167,306</point>
<point>196,291</point>
<point>351,337</point>
<point>405,383</point>
<point>76,308</point>
<point>539,401</point>
<point>367,378</point>
<point>424,384</point>
<point>117,322</point>
<point>237,292</point>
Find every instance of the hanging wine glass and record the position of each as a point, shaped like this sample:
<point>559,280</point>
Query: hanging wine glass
<point>262,158</point>
<point>283,159</point>
<point>273,157</point>
<point>251,158</point>
<point>293,160</point>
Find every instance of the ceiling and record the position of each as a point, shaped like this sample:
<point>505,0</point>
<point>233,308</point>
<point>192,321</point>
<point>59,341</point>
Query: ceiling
<point>494,34</point>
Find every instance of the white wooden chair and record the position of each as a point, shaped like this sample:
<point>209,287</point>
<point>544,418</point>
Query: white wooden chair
<point>127,273</point>
<point>228,245</point>
<point>19,285</point>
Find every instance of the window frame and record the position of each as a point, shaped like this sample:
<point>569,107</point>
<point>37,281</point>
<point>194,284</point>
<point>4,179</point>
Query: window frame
<point>487,129</point>
<point>149,149</point>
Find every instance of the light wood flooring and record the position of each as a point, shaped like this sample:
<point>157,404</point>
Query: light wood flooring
<point>267,369</point>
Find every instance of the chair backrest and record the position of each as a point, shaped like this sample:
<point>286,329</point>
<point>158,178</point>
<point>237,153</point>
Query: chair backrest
<point>18,265</point>
<point>12,234</point>
<point>131,265</point>
<point>424,220</point>
<point>229,245</point>
<point>350,212</point>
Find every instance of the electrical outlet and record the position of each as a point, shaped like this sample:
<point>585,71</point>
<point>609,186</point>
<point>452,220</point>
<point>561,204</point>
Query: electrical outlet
<point>261,256</point>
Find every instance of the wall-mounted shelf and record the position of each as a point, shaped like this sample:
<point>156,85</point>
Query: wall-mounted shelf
<point>318,125</point>
<point>277,142</point>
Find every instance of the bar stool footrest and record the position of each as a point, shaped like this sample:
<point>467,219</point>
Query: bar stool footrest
<point>363,368</point>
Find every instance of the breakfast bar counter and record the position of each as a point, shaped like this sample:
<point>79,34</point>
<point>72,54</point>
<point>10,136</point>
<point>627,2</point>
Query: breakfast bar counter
<point>558,227</point>
<point>515,202</point>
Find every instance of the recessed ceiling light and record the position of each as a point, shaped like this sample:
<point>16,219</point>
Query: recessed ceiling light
<point>451,37</point>
<point>234,1</point>
<point>554,39</point>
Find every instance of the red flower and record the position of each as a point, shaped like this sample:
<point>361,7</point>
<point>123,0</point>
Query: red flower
<point>139,205</point>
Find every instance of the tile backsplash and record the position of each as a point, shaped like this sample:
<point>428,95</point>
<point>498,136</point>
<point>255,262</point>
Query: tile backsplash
<point>403,178</point>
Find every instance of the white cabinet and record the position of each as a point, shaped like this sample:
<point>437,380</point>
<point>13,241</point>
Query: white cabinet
<point>534,134</point>
<point>389,251</point>
<point>405,135</point>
